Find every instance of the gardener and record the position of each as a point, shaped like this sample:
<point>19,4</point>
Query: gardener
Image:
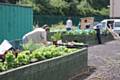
<point>38,35</point>
<point>97,28</point>
<point>69,24</point>
<point>46,27</point>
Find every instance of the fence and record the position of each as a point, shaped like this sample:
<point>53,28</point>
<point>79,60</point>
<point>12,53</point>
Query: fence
<point>15,21</point>
<point>47,19</point>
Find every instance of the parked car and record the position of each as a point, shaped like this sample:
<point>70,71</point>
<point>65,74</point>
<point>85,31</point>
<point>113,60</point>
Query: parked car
<point>115,23</point>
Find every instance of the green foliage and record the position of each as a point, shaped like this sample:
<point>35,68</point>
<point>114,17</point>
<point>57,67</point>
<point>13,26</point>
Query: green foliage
<point>92,32</point>
<point>68,7</point>
<point>23,58</point>
<point>52,51</point>
<point>104,11</point>
<point>31,46</point>
<point>56,36</point>
<point>99,4</point>
<point>49,52</point>
<point>37,54</point>
<point>3,67</point>
<point>82,32</point>
<point>59,5</point>
<point>10,59</point>
<point>57,27</point>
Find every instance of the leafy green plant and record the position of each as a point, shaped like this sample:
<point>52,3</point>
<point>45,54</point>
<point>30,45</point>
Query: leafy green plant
<point>56,36</point>
<point>31,46</point>
<point>23,58</point>
<point>10,59</point>
<point>54,51</point>
<point>37,54</point>
<point>49,52</point>
<point>3,67</point>
<point>92,32</point>
<point>81,32</point>
<point>84,32</point>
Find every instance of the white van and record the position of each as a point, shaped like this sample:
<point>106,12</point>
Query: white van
<point>114,22</point>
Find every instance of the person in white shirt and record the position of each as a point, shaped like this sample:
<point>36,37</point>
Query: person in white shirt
<point>69,24</point>
<point>38,35</point>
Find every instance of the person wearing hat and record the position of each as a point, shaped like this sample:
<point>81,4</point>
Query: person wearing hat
<point>46,27</point>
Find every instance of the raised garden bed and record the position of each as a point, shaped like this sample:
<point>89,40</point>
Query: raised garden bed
<point>89,39</point>
<point>57,68</point>
<point>73,45</point>
<point>79,38</point>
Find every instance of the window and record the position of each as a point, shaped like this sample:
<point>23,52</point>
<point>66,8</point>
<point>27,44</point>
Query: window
<point>117,24</point>
<point>103,25</point>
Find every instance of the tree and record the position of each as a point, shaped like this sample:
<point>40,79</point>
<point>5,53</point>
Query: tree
<point>68,7</point>
<point>9,1</point>
<point>96,3</point>
<point>59,6</point>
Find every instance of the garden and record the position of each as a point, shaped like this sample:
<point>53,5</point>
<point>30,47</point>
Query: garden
<point>36,61</point>
<point>64,55</point>
<point>83,36</point>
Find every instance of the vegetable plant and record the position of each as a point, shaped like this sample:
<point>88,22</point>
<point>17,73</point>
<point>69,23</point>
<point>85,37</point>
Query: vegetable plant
<point>10,59</point>
<point>31,46</point>
<point>56,36</point>
<point>81,32</point>
<point>37,54</point>
<point>23,58</point>
<point>3,67</point>
<point>27,56</point>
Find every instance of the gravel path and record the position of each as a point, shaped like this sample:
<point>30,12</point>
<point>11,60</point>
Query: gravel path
<point>98,55</point>
<point>106,59</point>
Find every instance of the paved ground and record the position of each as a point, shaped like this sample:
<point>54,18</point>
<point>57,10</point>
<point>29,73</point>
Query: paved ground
<point>106,59</point>
<point>98,55</point>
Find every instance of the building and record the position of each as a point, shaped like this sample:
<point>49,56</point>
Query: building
<point>115,8</point>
